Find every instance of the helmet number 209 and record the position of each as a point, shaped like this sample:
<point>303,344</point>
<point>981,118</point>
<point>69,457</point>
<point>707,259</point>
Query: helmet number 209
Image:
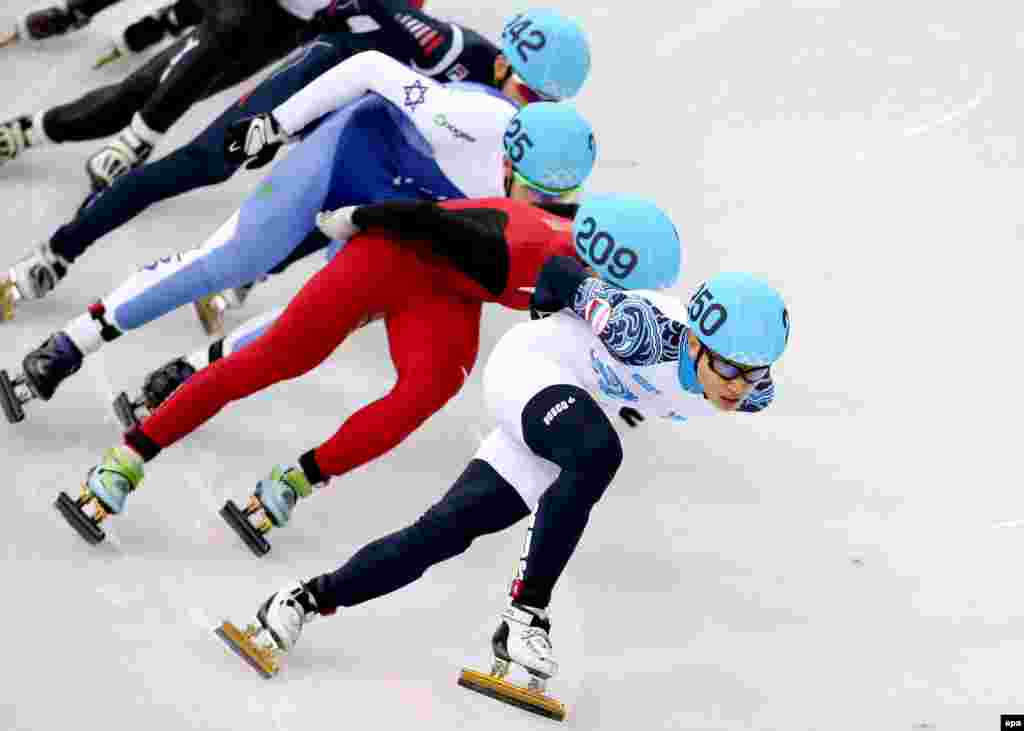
<point>599,246</point>
<point>708,318</point>
<point>532,41</point>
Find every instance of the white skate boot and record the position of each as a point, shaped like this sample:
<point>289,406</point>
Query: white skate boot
<point>125,153</point>
<point>15,136</point>
<point>521,639</point>
<point>35,276</point>
<point>278,626</point>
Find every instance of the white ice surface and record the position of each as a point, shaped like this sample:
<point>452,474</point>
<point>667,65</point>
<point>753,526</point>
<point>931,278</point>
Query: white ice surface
<point>847,561</point>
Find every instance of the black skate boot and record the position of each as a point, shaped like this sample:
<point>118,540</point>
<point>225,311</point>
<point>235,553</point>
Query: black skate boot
<point>42,371</point>
<point>56,20</point>
<point>157,388</point>
<point>49,364</point>
<point>170,21</point>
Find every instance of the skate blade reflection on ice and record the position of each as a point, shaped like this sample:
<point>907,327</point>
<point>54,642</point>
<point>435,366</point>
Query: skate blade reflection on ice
<point>263,661</point>
<point>514,695</point>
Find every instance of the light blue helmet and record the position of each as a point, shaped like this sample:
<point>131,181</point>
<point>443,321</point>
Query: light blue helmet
<point>551,146</point>
<point>628,241</point>
<point>549,52</point>
<point>741,318</point>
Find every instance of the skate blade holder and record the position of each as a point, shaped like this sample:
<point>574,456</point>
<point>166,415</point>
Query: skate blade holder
<point>494,686</point>
<point>239,520</point>
<point>210,311</point>
<point>127,411</point>
<point>74,511</point>
<point>14,394</point>
<point>263,661</point>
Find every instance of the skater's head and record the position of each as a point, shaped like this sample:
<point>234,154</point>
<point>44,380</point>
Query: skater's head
<point>549,153</point>
<point>739,326</point>
<point>544,57</point>
<point>628,241</point>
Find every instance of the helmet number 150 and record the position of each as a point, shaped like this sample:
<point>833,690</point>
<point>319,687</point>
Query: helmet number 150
<point>597,247</point>
<point>708,318</point>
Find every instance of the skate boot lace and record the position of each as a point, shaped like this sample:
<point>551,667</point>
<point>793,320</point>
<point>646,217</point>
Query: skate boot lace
<point>537,640</point>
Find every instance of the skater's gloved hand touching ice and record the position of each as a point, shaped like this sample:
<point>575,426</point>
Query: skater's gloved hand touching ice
<point>631,416</point>
<point>279,492</point>
<point>254,140</point>
<point>556,285</point>
<point>337,224</point>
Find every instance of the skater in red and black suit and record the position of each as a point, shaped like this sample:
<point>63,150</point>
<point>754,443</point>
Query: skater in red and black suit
<point>426,269</point>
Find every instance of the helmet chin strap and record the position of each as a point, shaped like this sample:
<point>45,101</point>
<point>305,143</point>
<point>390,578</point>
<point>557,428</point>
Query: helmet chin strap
<point>688,368</point>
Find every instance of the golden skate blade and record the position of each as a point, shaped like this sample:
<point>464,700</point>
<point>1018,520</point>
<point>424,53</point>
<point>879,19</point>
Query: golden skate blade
<point>210,311</point>
<point>8,39</point>
<point>8,296</point>
<point>512,694</point>
<point>241,645</point>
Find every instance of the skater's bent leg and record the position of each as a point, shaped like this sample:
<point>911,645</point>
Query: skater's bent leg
<point>582,441</point>
<point>480,502</point>
<point>433,346</point>
<point>109,109</point>
<point>199,163</point>
<point>129,195</point>
<point>332,304</point>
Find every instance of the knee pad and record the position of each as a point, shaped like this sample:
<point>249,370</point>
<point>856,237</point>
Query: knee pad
<point>565,425</point>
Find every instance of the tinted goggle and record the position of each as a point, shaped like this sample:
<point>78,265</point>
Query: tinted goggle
<point>730,371</point>
<point>529,94</point>
<point>540,194</point>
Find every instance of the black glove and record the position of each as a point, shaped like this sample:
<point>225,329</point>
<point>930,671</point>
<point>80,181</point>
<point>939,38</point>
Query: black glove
<point>631,416</point>
<point>556,286</point>
<point>254,140</point>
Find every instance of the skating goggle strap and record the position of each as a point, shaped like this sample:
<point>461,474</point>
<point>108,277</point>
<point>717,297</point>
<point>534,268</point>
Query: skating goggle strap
<point>541,194</point>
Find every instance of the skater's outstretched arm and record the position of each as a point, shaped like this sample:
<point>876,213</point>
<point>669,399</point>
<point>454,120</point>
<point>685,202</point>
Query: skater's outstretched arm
<point>370,71</point>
